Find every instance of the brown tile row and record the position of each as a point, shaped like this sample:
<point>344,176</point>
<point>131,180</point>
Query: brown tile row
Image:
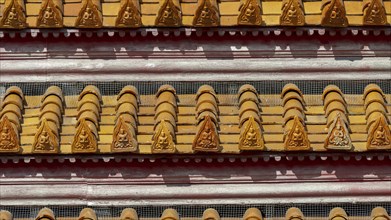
<point>170,123</point>
<point>378,213</point>
<point>19,14</point>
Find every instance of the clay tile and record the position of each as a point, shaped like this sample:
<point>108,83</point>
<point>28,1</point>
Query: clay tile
<point>128,214</point>
<point>12,99</point>
<point>168,117</point>
<point>201,116</point>
<point>374,107</point>
<point>129,89</point>
<point>51,108</point>
<point>14,90</point>
<point>252,214</point>
<point>206,106</point>
<point>87,115</point>
<point>210,214</point>
<point>248,96</point>
<point>87,213</point>
<point>246,115</point>
<point>248,106</point>
<point>206,89</point>
<point>294,214</point>
<point>331,88</point>
<point>293,103</point>
<point>165,108</point>
<point>247,88</point>
<point>374,97</point>
<point>331,98</point>
<point>338,214</point>
<point>90,89</point>
<point>170,214</point>
<point>53,90</point>
<point>292,95</point>
<point>52,100</point>
<point>89,98</point>
<point>372,88</point>
<point>12,108</point>
<point>13,118</point>
<point>45,213</point>
<point>89,107</point>
<point>165,88</point>
<point>379,213</point>
<point>5,215</point>
<point>126,108</point>
<point>128,118</point>
<point>290,87</point>
<point>335,106</point>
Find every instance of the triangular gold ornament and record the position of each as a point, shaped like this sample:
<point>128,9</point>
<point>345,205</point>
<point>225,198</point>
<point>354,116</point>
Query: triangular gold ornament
<point>296,138</point>
<point>45,140</point>
<point>338,137</point>
<point>13,16</point>
<point>334,14</point>
<point>207,138</point>
<point>250,13</point>
<point>162,140</point>
<point>251,137</point>
<point>169,15</point>
<point>207,14</point>
<point>129,15</point>
<point>8,138</point>
<point>89,16</point>
<point>123,139</point>
<point>49,15</point>
<point>379,137</point>
<point>292,13</point>
<point>84,140</point>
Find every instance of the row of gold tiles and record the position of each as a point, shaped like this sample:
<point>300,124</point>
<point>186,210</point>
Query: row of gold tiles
<point>207,126</point>
<point>378,213</point>
<point>204,13</point>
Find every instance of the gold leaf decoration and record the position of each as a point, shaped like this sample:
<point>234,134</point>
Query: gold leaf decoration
<point>123,138</point>
<point>207,138</point>
<point>8,138</point>
<point>251,137</point>
<point>162,140</point>
<point>374,13</point>
<point>45,140</point>
<point>50,15</point>
<point>129,15</point>
<point>250,13</point>
<point>380,136</point>
<point>334,14</point>
<point>292,13</point>
<point>169,14</point>
<point>296,138</point>
<point>207,14</point>
<point>14,15</point>
<point>338,137</point>
<point>85,140</point>
<point>90,16</point>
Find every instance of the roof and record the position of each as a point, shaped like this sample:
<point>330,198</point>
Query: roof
<point>206,122</point>
<point>21,14</point>
<point>292,213</point>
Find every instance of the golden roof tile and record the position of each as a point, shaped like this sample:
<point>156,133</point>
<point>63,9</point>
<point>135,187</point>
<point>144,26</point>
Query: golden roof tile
<point>210,214</point>
<point>338,214</point>
<point>252,214</point>
<point>5,215</point>
<point>170,214</point>
<point>379,213</point>
<point>294,214</point>
<point>129,214</point>
<point>87,214</point>
<point>45,214</point>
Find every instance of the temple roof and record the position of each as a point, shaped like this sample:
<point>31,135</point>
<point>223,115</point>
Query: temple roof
<point>20,14</point>
<point>169,122</point>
